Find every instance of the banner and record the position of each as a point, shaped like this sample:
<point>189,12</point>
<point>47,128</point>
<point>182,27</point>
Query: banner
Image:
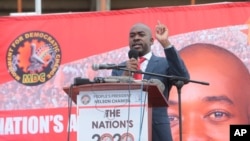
<point>40,55</point>
<point>41,124</point>
<point>108,115</point>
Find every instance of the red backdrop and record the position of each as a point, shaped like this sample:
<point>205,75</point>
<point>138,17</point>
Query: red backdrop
<point>81,39</point>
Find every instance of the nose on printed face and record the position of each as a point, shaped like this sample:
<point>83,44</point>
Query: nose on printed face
<point>195,137</point>
<point>194,130</point>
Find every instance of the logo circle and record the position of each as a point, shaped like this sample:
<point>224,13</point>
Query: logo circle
<point>127,137</point>
<point>85,99</point>
<point>106,137</point>
<point>33,58</point>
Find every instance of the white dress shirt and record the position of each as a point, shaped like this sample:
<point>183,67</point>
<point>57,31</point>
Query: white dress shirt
<point>145,63</point>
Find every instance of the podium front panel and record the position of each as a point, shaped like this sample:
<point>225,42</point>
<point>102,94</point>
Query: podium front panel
<point>112,115</point>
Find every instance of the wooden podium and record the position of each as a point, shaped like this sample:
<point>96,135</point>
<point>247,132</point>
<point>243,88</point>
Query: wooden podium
<point>120,100</point>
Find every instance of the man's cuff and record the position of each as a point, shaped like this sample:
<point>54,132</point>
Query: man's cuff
<point>169,46</point>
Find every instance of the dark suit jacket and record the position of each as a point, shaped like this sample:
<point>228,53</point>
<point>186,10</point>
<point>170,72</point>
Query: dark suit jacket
<point>171,65</point>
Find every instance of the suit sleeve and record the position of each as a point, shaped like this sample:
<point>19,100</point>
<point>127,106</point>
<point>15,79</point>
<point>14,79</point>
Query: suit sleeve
<point>176,64</point>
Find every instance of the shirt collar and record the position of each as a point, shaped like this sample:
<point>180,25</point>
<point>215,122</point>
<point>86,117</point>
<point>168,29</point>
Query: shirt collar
<point>148,55</point>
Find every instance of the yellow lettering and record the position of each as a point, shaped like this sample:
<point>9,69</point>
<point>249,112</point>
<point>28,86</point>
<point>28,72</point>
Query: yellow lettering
<point>34,78</point>
<point>17,41</point>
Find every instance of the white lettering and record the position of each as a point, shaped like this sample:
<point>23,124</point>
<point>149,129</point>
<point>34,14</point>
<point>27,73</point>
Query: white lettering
<point>9,127</point>
<point>44,124</point>
<point>243,131</point>
<point>17,121</point>
<point>35,124</point>
<point>72,126</point>
<point>25,122</point>
<point>1,126</point>
<point>239,132</point>
<point>58,127</point>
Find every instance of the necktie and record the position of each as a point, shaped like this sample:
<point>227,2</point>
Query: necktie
<point>138,76</point>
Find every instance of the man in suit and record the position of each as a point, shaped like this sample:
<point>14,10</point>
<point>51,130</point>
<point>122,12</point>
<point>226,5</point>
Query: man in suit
<point>140,39</point>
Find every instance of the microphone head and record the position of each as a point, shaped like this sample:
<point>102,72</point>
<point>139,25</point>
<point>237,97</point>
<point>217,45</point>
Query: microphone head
<point>133,54</point>
<point>95,67</point>
<point>81,81</point>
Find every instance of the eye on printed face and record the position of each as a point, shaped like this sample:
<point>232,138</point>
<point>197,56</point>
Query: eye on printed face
<point>208,111</point>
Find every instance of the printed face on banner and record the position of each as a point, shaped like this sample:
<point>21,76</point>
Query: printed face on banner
<point>208,111</point>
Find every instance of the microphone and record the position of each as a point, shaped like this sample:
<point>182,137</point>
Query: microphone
<point>111,79</point>
<point>107,66</point>
<point>114,79</point>
<point>82,81</point>
<point>133,54</point>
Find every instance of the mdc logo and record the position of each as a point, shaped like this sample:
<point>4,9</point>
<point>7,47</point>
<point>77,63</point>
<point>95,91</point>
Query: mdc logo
<point>33,58</point>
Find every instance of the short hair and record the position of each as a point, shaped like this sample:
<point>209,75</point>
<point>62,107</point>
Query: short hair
<point>204,52</point>
<point>148,29</point>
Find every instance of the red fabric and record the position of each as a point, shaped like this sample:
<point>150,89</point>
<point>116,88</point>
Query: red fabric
<point>138,76</point>
<point>37,125</point>
<point>81,35</point>
<point>80,30</point>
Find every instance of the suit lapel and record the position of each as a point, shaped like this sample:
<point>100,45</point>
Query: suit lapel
<point>151,66</point>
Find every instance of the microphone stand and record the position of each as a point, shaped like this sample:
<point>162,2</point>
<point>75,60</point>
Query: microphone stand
<point>180,81</point>
<point>178,78</point>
